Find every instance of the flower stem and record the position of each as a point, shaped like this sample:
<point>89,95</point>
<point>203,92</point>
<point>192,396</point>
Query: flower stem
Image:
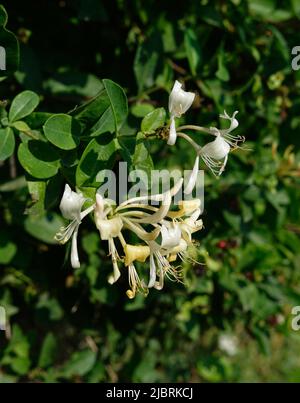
<point>197,128</point>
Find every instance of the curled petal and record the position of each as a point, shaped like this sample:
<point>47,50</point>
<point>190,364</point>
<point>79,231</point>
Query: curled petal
<point>74,251</point>
<point>233,121</point>
<point>114,258</point>
<point>160,213</point>
<point>217,149</point>
<point>152,277</point>
<point>170,236</point>
<point>193,177</point>
<point>179,101</point>
<point>71,204</point>
<point>172,133</point>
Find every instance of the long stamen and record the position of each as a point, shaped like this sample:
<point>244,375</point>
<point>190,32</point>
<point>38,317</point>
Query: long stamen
<point>65,233</point>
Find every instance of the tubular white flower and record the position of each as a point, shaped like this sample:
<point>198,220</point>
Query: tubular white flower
<point>170,236</point>
<point>109,228</point>
<point>75,263</point>
<point>193,177</point>
<point>172,134</point>
<point>152,276</point>
<point>159,265</point>
<point>70,206</point>
<point>215,151</point>
<point>179,102</point>
<point>114,258</point>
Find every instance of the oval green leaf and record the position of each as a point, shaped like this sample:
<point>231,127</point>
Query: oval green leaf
<point>63,131</point>
<point>153,120</point>
<point>44,228</point>
<point>118,102</point>
<point>22,105</point>
<point>98,155</point>
<point>39,159</point>
<point>7,143</point>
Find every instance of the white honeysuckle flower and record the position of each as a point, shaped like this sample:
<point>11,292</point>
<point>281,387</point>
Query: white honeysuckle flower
<point>135,283</point>
<point>215,153</point>
<point>217,150</point>
<point>160,266</point>
<point>109,227</point>
<point>189,226</point>
<point>70,206</point>
<point>149,223</point>
<point>179,102</point>
<point>193,177</point>
<point>171,236</point>
<point>179,250</point>
<point>172,132</point>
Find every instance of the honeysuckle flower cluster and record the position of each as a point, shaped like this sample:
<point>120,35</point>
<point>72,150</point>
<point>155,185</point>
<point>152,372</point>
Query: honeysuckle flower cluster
<point>164,234</point>
<point>215,153</point>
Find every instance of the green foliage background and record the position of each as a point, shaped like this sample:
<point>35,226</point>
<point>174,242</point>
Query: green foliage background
<point>71,326</point>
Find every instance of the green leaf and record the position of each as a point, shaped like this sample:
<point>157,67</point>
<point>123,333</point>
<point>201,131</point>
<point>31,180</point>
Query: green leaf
<point>48,351</point>
<point>118,102</point>
<point>63,131</point>
<point>44,228</point>
<point>142,158</point>
<point>39,159</point>
<point>7,143</point>
<point>193,51</point>
<point>222,72</point>
<point>80,363</point>
<point>21,126</point>
<point>88,113</point>
<point>37,190</point>
<point>98,155</point>
<point>153,120</point>
<point>20,365</point>
<point>141,109</point>
<point>104,113</point>
<point>7,248</point>
<point>9,51</point>
<point>23,105</point>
